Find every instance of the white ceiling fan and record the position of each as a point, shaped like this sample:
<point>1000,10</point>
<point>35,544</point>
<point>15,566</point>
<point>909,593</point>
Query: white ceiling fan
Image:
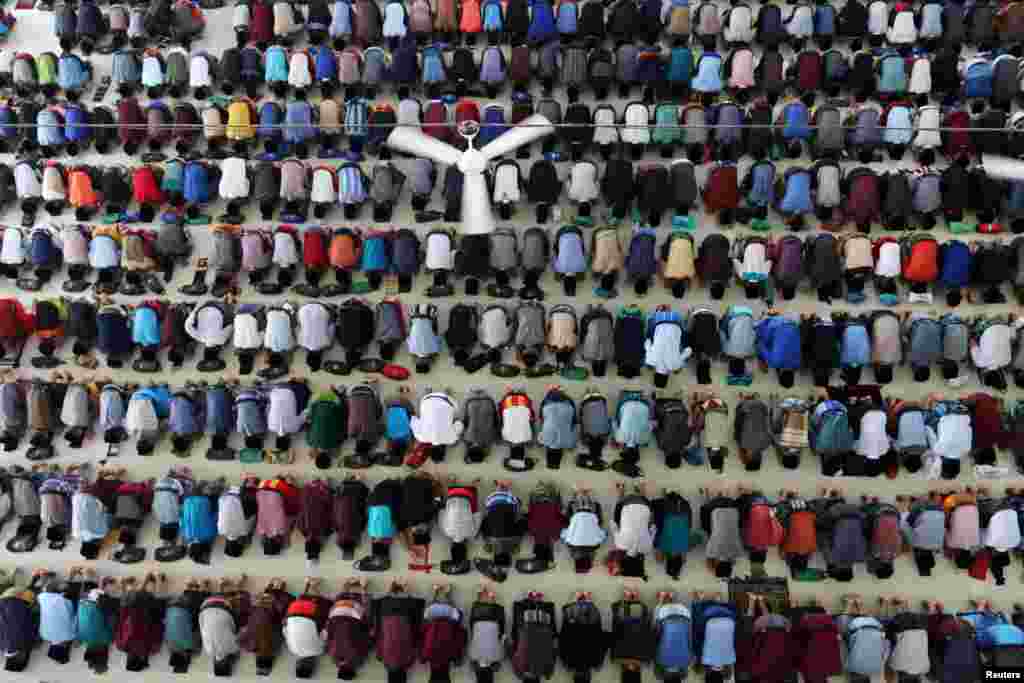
<point>477,218</point>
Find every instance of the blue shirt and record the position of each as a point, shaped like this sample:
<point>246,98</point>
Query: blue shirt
<point>57,618</point>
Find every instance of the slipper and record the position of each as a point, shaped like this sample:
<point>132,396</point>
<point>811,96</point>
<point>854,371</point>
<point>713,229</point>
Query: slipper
<point>388,459</point>
<point>133,554</point>
<point>153,283</point>
<point>504,370</point>
<point>492,571</point>
<point>627,469</point>
<point>212,365</point>
<point>337,367</point>
<point>358,461</point>
<point>46,362</point>
<point>542,370</point>
<point>453,568</point>
<point>141,365</point>
<point>270,288</point>
<point>250,456</point>
<point>30,283</point>
<point>371,365</point>
<point>220,454</point>
<point>198,220</point>
<point>306,289</point>
<point>373,564</point>
<point>23,543</point>
<point>587,463</point>
<point>417,456</point>
<point>518,464</point>
<point>273,372</point>
<point>75,286</point>
<point>395,372</point>
<point>170,553</point>
<point>37,453</point>
<point>533,566</point>
<point>576,372</point>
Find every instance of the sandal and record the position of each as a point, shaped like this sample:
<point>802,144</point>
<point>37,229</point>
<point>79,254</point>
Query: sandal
<point>514,464</point>
<point>372,365</point>
<point>170,553</point>
<point>131,555</point>
<point>504,370</point>
<point>337,367</point>
<point>587,463</point>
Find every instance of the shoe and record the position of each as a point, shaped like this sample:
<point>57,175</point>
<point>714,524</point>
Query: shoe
<point>491,570</point>
<point>453,568</point>
<point>627,469</point>
<point>504,370</point>
<point>132,554</point>
<point>373,563</point>
<point>533,565</point>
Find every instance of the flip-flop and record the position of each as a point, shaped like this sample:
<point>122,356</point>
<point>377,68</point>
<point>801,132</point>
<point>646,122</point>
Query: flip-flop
<point>513,464</point>
<point>133,554</point>
<point>153,283</point>
<point>372,365</point>
<point>395,372</point>
<point>250,456</point>
<point>627,469</point>
<point>542,370</point>
<point>504,370</point>
<point>492,571</point>
<point>576,372</point>
<point>75,286</point>
<point>337,367</point>
<point>141,365</point>
<point>588,463</point>
<point>170,553</point>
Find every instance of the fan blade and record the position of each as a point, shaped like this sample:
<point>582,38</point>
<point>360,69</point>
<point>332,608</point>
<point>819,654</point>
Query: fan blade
<point>416,142</point>
<point>523,133</point>
<point>1003,168</point>
<point>477,217</point>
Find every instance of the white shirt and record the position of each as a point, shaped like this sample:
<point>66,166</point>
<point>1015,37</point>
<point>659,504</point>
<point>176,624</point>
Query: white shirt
<point>516,427</point>
<point>316,329</point>
<point>26,181</point>
<point>207,326</point>
<point>12,252</point>
<point>583,531</point>
<point>323,191</point>
<point>494,330</point>
<point>240,16</point>
<point>53,185</point>
<point>302,637</point>
<point>440,255</point>
<point>300,75</point>
<point>1003,532</point>
<point>952,439</point>
<point>994,350</point>
<point>506,184</point>
<point>247,332</point>
<point>199,72</point>
<point>234,183</point>
<point>664,352</point>
<point>286,253</point>
<point>219,634</point>
<point>141,417</point>
<point>874,441</point>
<point>231,521</point>
<point>889,260</point>
<point>278,336</point>
<point>755,260</point>
<point>283,417</point>
<point>437,423</point>
<point>635,536</point>
<point>583,182</point>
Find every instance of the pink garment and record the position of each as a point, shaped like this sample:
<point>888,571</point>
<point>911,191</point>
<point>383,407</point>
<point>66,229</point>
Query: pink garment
<point>964,528</point>
<point>271,519</point>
